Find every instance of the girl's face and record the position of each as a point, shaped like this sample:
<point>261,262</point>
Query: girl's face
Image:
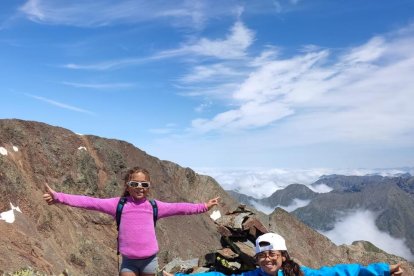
<point>270,261</point>
<point>138,192</point>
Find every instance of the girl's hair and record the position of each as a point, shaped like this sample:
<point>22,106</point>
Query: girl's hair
<point>129,174</point>
<point>289,266</point>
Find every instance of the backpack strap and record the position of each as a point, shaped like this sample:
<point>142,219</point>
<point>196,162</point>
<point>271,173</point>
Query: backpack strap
<point>119,208</point>
<point>154,211</point>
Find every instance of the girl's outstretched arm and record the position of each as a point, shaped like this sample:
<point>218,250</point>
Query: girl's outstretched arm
<point>104,205</point>
<point>166,209</point>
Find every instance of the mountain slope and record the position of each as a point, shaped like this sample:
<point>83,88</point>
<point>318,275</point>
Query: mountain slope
<point>52,238</point>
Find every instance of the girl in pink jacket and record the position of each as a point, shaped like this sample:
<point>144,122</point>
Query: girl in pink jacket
<point>137,240</point>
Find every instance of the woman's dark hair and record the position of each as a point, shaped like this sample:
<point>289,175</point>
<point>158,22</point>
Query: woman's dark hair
<point>289,266</point>
<point>129,174</point>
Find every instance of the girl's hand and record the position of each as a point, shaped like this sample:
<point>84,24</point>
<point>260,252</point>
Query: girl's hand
<point>396,269</point>
<point>212,202</point>
<point>48,196</point>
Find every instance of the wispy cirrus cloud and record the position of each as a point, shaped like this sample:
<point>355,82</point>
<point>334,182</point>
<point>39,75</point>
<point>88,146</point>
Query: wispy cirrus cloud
<point>103,13</point>
<point>168,129</point>
<point>61,105</point>
<point>360,94</point>
<point>99,85</point>
<point>233,47</point>
<point>178,13</point>
<point>214,73</point>
<point>108,65</point>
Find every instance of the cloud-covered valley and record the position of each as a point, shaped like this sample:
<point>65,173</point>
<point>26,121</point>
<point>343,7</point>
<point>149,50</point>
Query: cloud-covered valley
<point>350,226</point>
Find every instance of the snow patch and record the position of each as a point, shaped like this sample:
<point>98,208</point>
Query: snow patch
<point>3,151</point>
<point>215,215</point>
<point>8,216</point>
<point>16,149</point>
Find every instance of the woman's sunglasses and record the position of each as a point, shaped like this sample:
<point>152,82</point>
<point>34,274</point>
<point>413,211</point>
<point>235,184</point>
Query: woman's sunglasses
<point>138,184</point>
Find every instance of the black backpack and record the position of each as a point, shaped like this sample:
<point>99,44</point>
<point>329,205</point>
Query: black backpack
<point>119,208</point>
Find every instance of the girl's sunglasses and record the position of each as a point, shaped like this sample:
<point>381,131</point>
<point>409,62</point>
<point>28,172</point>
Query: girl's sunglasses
<point>137,184</point>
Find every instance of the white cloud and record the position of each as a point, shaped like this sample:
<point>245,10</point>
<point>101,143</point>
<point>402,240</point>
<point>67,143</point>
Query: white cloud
<point>251,115</point>
<point>215,72</point>
<point>61,105</point>
<point>260,183</point>
<point>296,203</point>
<point>186,14</point>
<point>96,14</point>
<point>169,128</point>
<point>109,65</point>
<point>263,208</point>
<point>320,188</point>
<point>233,46</point>
<point>361,95</point>
<point>371,51</point>
<point>203,106</point>
<point>348,229</point>
<point>99,85</point>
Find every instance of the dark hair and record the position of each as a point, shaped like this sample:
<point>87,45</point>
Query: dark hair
<point>129,174</point>
<point>289,266</point>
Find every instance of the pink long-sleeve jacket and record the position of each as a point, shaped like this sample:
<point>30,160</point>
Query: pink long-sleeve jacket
<point>137,239</point>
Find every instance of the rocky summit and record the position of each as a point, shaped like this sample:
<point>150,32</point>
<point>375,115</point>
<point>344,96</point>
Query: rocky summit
<point>57,239</point>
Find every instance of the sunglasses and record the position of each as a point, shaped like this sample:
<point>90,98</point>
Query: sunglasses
<point>268,254</point>
<point>138,184</point>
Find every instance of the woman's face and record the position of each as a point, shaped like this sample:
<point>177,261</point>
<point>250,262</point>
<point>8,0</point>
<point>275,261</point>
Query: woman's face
<point>139,192</point>
<point>270,261</point>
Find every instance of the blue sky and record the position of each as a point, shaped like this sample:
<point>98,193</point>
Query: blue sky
<point>288,84</point>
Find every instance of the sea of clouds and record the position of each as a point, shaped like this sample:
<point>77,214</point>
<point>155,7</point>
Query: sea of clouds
<point>262,182</point>
<point>359,224</point>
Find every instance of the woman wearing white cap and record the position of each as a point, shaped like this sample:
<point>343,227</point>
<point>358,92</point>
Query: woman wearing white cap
<point>273,260</point>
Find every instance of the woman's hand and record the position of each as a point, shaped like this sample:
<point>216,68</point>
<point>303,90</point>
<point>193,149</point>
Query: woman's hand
<point>165,273</point>
<point>396,269</point>
<point>48,196</point>
<point>212,202</point>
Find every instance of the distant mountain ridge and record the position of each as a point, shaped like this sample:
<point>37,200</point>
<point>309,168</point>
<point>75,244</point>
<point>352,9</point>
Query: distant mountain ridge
<point>392,198</point>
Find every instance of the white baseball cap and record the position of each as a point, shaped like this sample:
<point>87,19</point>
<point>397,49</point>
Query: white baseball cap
<point>273,242</point>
